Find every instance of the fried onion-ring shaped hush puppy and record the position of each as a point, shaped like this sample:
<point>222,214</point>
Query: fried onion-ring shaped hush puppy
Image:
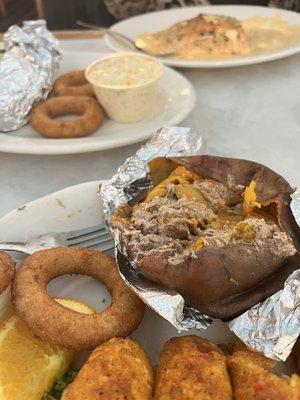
<point>116,370</point>
<point>56,324</point>
<point>192,368</point>
<point>73,84</point>
<point>7,270</point>
<point>252,379</point>
<point>89,111</point>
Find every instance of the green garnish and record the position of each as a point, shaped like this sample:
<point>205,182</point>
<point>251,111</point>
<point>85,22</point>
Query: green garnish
<point>59,386</point>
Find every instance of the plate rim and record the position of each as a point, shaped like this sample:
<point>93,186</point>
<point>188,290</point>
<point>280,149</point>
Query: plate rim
<point>13,147</point>
<point>62,216</point>
<point>32,203</point>
<point>223,63</point>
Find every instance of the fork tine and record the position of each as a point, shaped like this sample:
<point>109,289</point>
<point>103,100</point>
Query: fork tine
<point>102,233</point>
<point>93,242</point>
<point>104,247</point>
<point>86,231</point>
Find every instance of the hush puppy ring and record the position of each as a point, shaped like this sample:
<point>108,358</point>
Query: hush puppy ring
<point>73,84</point>
<point>7,270</point>
<point>89,111</point>
<point>55,323</point>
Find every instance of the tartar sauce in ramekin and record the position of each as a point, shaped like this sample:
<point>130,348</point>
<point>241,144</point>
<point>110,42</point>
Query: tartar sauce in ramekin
<point>126,85</point>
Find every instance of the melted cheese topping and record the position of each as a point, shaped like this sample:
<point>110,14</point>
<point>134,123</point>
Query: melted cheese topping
<point>217,36</point>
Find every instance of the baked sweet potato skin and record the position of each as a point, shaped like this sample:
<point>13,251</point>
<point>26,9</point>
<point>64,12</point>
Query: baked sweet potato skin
<point>203,292</point>
<point>226,281</point>
<point>296,355</point>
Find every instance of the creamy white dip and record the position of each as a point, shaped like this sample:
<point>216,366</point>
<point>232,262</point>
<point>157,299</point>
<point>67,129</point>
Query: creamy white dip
<point>126,85</point>
<point>125,71</point>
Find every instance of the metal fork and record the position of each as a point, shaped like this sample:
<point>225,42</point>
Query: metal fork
<point>122,39</point>
<point>92,237</point>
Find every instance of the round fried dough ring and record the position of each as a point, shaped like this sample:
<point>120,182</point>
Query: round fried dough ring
<point>7,270</point>
<point>54,323</point>
<point>73,84</point>
<point>89,111</point>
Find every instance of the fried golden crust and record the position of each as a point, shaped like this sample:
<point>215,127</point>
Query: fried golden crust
<point>116,370</point>
<point>252,379</point>
<point>7,270</point>
<point>192,368</point>
<point>89,111</point>
<point>73,84</point>
<point>51,321</point>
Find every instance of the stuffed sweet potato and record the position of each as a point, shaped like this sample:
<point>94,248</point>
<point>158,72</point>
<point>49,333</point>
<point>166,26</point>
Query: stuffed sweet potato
<point>218,230</point>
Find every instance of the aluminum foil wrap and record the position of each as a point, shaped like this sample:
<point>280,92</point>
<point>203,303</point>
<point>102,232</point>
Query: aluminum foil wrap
<point>32,55</point>
<point>295,205</point>
<point>271,327</point>
<point>132,181</point>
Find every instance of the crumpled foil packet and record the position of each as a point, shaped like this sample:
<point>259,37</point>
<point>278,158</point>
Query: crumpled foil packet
<point>132,181</point>
<point>295,205</point>
<point>32,55</point>
<point>273,325</point>
<point>274,336</point>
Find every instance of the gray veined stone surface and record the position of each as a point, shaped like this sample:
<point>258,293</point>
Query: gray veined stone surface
<point>251,112</point>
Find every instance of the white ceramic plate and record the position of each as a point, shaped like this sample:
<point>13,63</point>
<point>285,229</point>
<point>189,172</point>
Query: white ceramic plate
<point>156,21</point>
<point>175,101</point>
<point>74,208</point>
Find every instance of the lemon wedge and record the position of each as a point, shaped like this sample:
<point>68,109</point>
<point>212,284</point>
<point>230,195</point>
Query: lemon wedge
<point>28,365</point>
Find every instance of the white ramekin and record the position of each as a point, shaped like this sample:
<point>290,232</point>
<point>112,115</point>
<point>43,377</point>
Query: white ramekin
<point>129,104</point>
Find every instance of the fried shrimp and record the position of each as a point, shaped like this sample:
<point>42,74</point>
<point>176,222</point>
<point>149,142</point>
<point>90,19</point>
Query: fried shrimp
<point>6,271</point>
<point>89,111</point>
<point>73,84</point>
<point>51,321</point>
<point>116,370</point>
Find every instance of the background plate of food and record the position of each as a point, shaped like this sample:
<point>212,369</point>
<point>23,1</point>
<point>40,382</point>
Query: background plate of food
<point>204,36</point>
<point>172,102</point>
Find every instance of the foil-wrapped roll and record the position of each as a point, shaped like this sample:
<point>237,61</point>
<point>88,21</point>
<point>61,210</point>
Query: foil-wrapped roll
<point>32,55</point>
<point>271,327</point>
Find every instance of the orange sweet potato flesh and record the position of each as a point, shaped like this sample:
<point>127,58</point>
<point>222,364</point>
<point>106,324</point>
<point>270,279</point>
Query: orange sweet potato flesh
<point>271,188</point>
<point>226,281</point>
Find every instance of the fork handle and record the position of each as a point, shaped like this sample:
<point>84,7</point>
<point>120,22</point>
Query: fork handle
<point>110,32</point>
<point>15,246</point>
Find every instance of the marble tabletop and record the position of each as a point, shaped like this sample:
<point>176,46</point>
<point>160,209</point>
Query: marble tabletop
<point>250,112</point>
